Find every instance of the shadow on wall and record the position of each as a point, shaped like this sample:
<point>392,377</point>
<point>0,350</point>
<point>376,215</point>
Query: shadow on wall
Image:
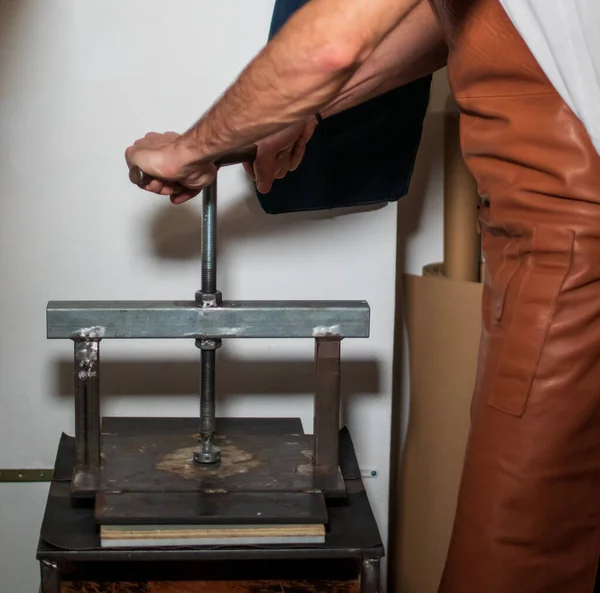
<point>273,379</point>
<point>175,232</point>
<point>12,16</point>
<point>234,377</point>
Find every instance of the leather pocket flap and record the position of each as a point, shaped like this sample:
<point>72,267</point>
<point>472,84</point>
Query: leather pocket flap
<point>535,291</point>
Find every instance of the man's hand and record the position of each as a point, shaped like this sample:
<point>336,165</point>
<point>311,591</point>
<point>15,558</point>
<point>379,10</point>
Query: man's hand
<point>166,158</point>
<point>280,153</point>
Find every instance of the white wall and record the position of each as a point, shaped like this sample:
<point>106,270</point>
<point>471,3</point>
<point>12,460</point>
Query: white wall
<point>78,82</point>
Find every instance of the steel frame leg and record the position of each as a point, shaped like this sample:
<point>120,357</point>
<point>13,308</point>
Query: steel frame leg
<point>50,577</point>
<point>87,416</point>
<point>327,405</point>
<point>370,575</point>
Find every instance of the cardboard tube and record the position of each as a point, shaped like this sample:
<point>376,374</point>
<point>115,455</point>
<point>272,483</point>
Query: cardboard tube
<point>461,238</point>
<point>434,269</point>
<point>443,324</point>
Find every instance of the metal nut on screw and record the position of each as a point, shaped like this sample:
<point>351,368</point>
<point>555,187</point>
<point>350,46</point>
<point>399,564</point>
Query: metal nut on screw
<point>208,344</point>
<point>212,455</point>
<point>209,299</point>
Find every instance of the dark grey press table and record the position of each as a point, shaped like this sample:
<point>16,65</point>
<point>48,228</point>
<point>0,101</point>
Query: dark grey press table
<point>72,560</point>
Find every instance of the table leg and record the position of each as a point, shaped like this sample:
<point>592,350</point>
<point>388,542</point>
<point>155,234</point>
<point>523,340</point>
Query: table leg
<point>370,575</point>
<point>50,577</point>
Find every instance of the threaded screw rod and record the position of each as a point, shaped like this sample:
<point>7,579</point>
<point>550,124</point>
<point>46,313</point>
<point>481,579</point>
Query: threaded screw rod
<point>208,296</point>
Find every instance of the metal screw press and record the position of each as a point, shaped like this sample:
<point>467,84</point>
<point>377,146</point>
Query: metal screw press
<point>207,296</point>
<point>207,319</point>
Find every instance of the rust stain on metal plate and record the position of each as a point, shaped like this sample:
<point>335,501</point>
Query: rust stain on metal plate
<point>233,461</point>
<point>305,469</point>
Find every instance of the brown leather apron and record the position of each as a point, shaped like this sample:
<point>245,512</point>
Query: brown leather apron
<point>528,516</point>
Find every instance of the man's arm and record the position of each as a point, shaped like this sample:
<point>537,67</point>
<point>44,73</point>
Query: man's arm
<point>413,49</point>
<point>301,70</point>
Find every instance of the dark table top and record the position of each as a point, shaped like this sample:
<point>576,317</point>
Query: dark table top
<point>69,532</point>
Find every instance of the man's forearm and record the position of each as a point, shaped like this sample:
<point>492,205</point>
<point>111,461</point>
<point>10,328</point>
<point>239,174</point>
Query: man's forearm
<point>300,71</point>
<point>415,48</point>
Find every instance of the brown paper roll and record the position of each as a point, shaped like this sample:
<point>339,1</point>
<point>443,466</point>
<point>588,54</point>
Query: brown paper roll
<point>443,328</point>
<point>461,238</point>
<point>434,269</point>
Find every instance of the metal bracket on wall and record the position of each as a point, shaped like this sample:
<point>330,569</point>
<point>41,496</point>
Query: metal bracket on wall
<point>26,475</point>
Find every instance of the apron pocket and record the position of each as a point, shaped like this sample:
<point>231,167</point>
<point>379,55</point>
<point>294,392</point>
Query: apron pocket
<point>532,298</point>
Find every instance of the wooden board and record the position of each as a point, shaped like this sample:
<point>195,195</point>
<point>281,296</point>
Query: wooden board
<point>108,532</point>
<point>210,535</point>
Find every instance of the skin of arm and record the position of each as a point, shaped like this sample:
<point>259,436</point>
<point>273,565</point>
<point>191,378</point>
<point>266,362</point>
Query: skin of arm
<point>303,69</point>
<point>413,49</point>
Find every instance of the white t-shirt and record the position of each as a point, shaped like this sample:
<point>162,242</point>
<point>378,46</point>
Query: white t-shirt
<point>564,37</point>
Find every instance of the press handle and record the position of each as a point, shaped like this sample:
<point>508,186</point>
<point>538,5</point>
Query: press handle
<point>244,155</point>
<point>235,157</point>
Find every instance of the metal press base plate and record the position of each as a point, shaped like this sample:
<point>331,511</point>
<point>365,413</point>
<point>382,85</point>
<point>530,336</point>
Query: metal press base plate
<point>265,473</point>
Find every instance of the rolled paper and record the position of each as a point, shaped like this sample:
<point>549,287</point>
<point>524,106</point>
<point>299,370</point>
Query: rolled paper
<point>461,237</point>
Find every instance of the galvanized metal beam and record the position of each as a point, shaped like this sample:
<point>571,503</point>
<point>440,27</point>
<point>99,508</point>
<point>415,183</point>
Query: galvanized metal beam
<point>184,319</point>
